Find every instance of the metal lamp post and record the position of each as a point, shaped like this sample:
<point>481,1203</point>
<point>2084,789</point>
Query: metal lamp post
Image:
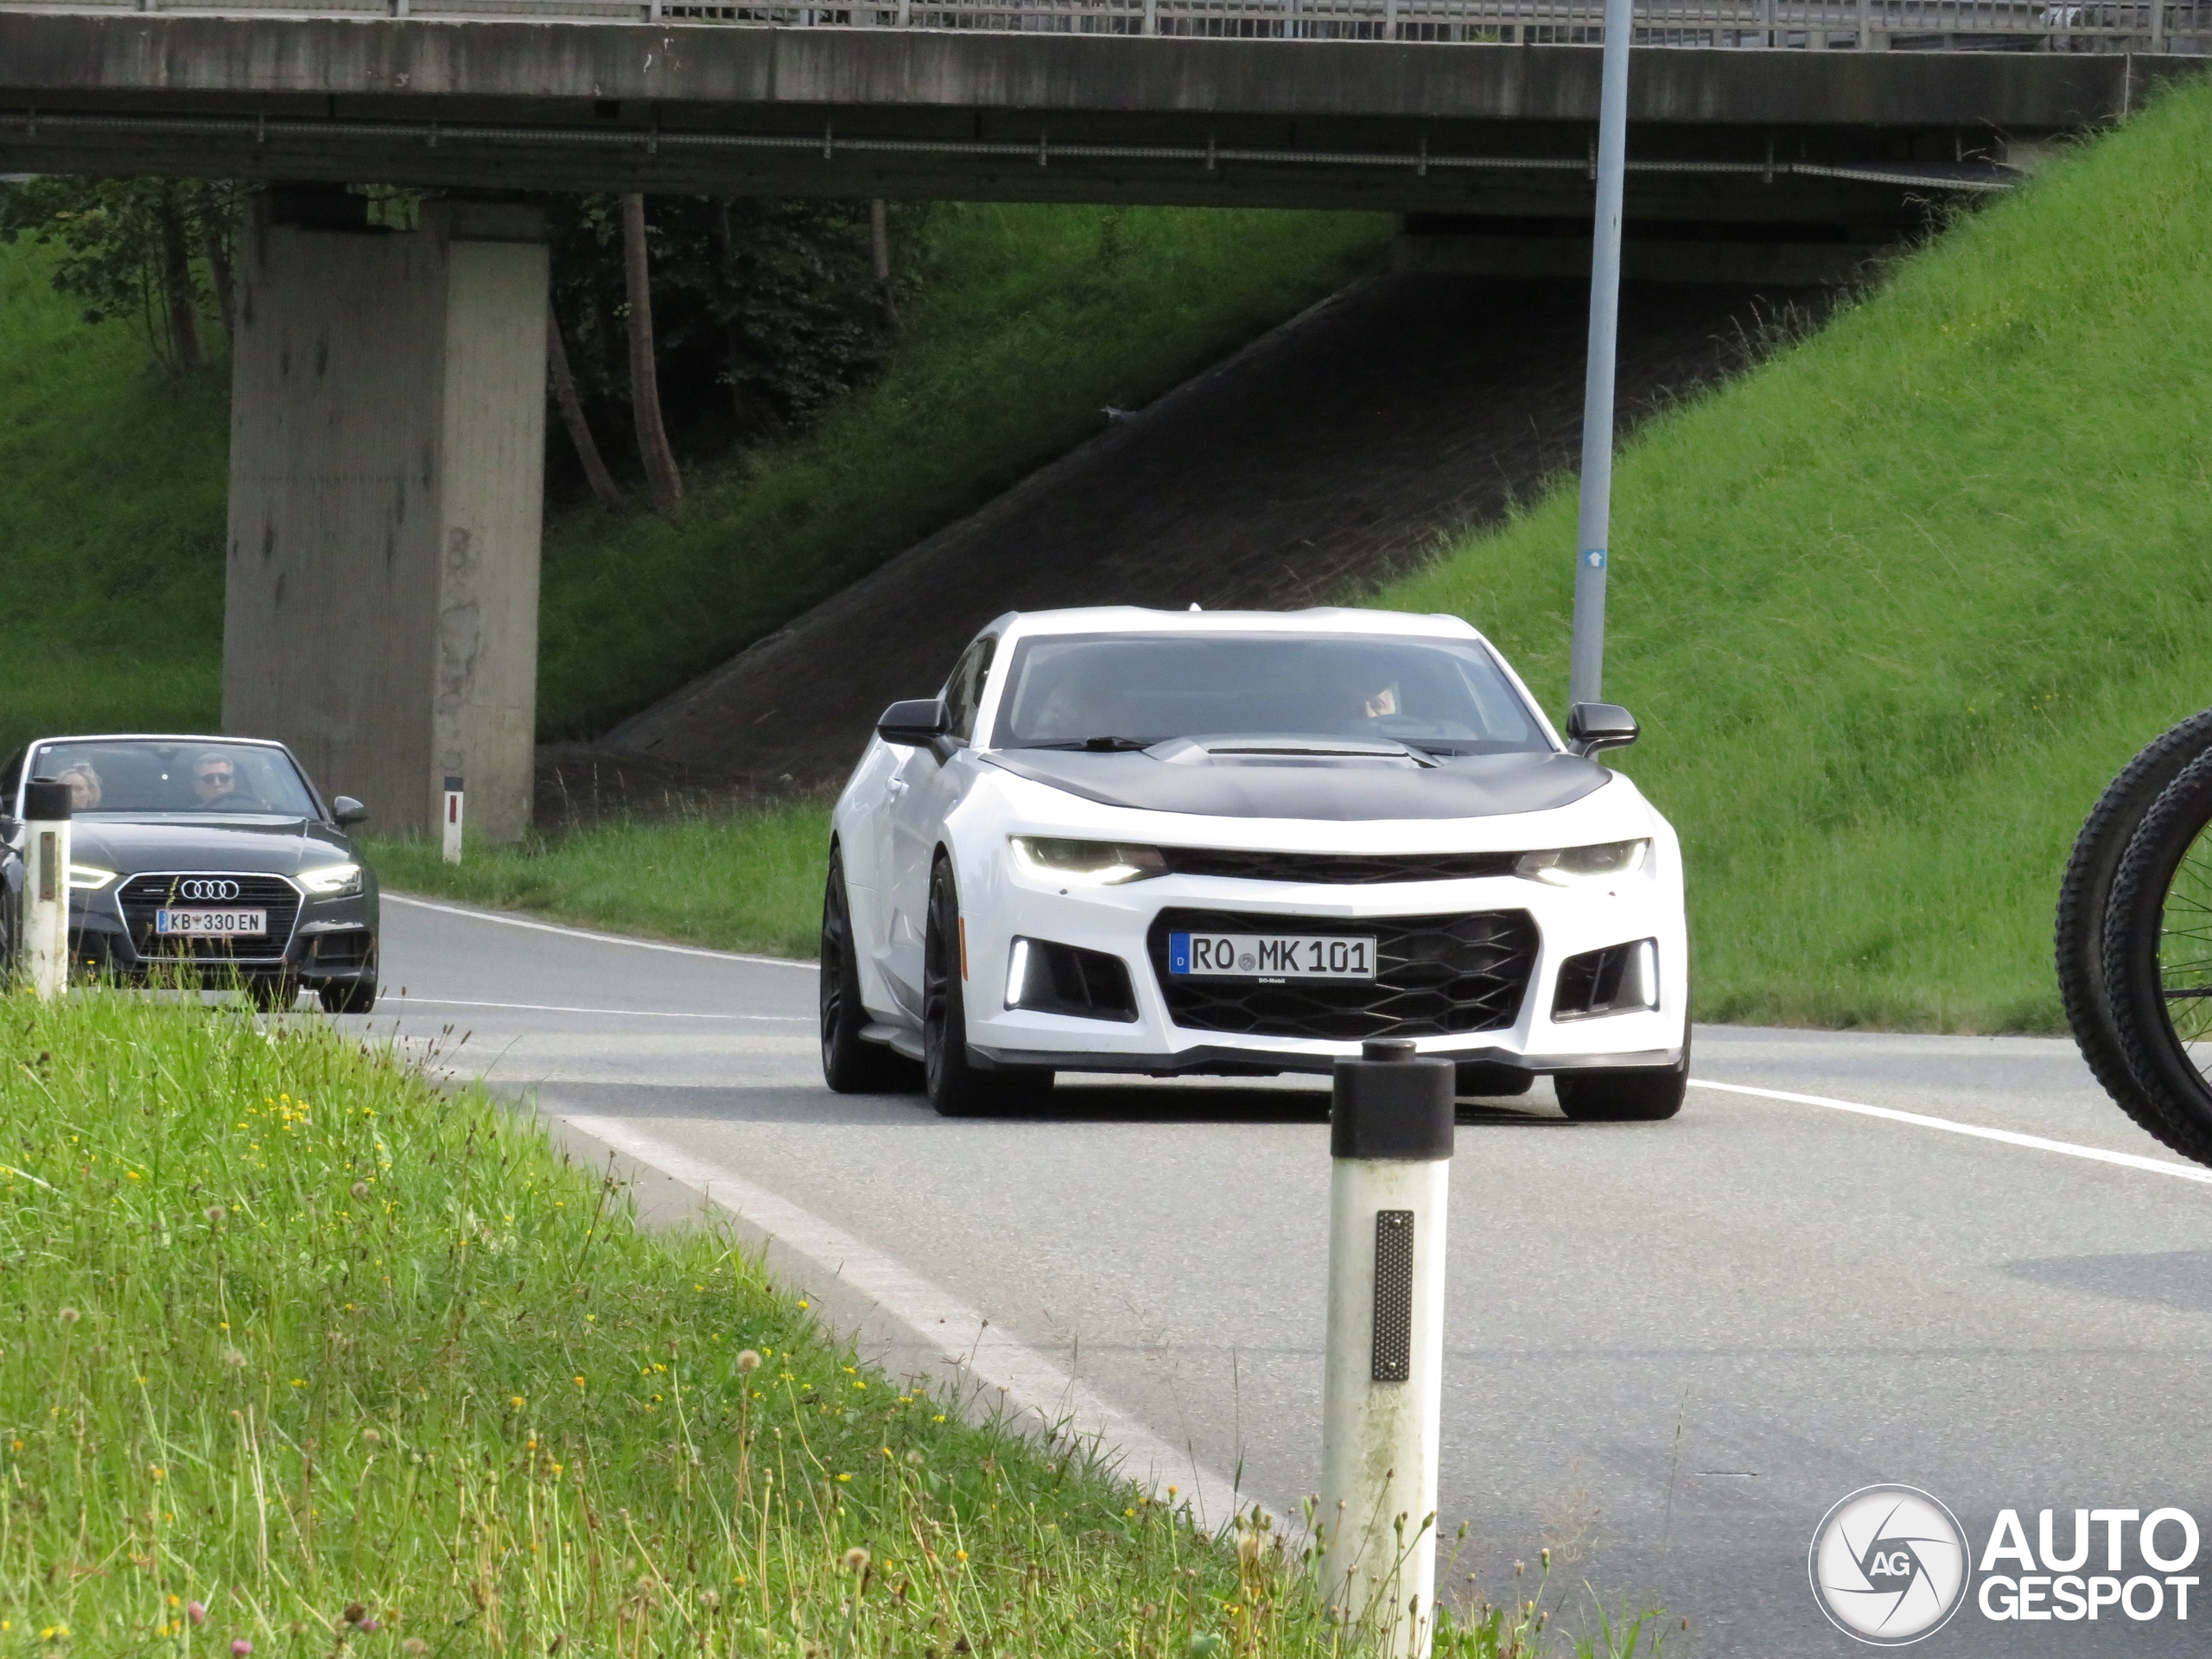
<point>1390,1150</point>
<point>1586,662</point>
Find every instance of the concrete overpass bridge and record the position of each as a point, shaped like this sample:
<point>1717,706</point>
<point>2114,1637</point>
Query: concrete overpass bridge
<point>388,393</point>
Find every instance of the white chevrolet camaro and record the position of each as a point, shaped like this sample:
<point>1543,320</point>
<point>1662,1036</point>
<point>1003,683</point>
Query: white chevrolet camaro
<point>1242,843</point>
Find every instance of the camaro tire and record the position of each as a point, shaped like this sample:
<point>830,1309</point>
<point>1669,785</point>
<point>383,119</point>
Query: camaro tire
<point>850,1065</point>
<point>2084,899</point>
<point>957,1088</point>
<point>2158,960</point>
<point>1639,1094</point>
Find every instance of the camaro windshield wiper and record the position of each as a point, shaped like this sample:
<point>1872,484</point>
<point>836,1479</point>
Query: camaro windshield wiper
<point>1095,745</point>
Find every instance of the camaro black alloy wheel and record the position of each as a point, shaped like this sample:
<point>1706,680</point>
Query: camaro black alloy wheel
<point>2158,960</point>
<point>851,1066</point>
<point>2084,896</point>
<point>957,1087</point>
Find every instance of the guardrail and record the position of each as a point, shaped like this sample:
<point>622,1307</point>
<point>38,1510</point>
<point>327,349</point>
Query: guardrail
<point>2182,25</point>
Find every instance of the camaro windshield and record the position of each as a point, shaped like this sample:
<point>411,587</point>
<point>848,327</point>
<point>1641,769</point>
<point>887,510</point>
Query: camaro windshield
<point>138,776</point>
<point>1102,692</point>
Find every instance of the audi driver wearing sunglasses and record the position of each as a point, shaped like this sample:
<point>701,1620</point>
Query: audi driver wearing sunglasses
<point>1242,843</point>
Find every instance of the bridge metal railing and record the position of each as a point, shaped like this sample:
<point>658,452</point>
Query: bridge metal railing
<point>1816,25</point>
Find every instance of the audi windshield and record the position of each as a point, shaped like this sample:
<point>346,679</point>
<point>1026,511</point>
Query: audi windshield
<point>1442,696</point>
<point>138,777</point>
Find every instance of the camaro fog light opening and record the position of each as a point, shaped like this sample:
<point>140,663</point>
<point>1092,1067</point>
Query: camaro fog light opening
<point>333,881</point>
<point>1574,867</point>
<point>86,878</point>
<point>1017,972</point>
<point>1086,864</point>
<point>1620,979</point>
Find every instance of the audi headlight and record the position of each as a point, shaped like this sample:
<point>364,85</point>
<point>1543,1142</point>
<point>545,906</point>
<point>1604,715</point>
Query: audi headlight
<point>1574,867</point>
<point>89,878</point>
<point>332,881</point>
<point>1086,864</point>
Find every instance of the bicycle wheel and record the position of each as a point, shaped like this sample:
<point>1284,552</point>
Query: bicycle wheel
<point>2158,959</point>
<point>2083,898</point>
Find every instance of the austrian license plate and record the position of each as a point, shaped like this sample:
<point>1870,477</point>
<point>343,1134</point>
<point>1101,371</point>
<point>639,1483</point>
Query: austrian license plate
<point>1269,956</point>
<point>212,924</point>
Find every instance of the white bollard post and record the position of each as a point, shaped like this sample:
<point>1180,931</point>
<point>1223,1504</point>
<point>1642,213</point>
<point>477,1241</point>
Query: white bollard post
<point>43,951</point>
<point>1390,1150</point>
<point>453,820</point>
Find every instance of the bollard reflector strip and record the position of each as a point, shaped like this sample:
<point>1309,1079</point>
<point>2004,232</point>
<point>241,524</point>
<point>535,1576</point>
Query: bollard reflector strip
<point>1392,1357</point>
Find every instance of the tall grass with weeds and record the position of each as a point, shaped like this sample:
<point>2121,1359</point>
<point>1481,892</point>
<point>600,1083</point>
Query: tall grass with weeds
<point>300,1356</point>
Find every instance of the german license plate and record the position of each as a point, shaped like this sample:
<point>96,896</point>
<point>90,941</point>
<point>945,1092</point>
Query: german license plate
<point>212,924</point>
<point>1270,955</point>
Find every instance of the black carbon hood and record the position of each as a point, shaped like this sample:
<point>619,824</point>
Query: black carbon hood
<point>1350,790</point>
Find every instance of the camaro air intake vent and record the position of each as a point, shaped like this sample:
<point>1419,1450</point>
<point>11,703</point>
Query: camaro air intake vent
<point>1339,869</point>
<point>1620,979</point>
<point>1047,978</point>
<point>142,895</point>
<point>1434,975</point>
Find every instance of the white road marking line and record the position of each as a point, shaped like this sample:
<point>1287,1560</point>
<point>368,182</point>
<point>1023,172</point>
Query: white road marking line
<point>639,1013</point>
<point>962,1337</point>
<point>474,915</point>
<point>2010,1137</point>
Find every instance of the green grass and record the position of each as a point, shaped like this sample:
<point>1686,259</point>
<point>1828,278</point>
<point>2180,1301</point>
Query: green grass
<point>300,1353</point>
<point>734,880</point>
<point>1027,320</point>
<point>1894,607</point>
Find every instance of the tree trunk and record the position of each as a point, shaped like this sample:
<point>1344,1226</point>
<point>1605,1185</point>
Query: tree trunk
<point>572,413</point>
<point>733,336</point>
<point>644,380</point>
<point>879,241</point>
<point>176,288</point>
<point>219,267</point>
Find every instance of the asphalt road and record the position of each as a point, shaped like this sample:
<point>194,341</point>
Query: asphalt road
<point>1671,1347</point>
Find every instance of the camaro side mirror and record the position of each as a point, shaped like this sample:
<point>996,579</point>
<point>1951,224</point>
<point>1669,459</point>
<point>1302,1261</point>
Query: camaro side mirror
<point>345,812</point>
<point>917,723</point>
<point>1594,726</point>
<point>8,827</point>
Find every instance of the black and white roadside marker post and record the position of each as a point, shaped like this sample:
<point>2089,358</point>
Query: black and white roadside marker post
<point>43,951</point>
<point>1391,1153</point>
<point>451,819</point>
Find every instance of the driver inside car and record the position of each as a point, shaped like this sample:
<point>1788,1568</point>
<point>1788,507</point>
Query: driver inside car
<point>215,779</point>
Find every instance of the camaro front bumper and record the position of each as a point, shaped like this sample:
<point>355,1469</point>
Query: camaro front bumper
<point>1525,930</point>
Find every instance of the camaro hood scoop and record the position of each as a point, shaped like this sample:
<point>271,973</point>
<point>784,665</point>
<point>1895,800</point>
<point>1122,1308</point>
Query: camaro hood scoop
<point>1334,780</point>
<point>268,846</point>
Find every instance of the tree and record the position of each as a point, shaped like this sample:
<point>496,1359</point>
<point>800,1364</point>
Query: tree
<point>572,413</point>
<point>141,248</point>
<point>661,471</point>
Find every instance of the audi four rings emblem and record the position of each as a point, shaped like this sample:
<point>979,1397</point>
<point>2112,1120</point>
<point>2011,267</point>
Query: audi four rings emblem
<point>206,889</point>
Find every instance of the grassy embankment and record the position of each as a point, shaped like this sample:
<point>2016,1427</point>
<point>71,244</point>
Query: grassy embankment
<point>1893,608</point>
<point>1027,321</point>
<point>303,1358</point>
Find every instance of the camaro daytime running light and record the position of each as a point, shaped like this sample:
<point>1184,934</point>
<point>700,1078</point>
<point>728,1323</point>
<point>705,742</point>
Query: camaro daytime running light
<point>333,881</point>
<point>87,878</point>
<point>1086,864</point>
<point>1574,867</point>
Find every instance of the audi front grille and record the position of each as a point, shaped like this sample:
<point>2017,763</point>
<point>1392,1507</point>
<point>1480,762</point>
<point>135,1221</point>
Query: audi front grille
<point>1435,976</point>
<point>142,895</point>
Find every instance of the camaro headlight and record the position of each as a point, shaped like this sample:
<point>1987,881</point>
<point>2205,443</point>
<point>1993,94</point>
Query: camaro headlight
<point>1574,867</point>
<point>332,881</point>
<point>1086,864</point>
<point>89,878</point>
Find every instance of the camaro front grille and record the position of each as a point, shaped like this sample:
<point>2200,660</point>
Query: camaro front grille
<point>142,895</point>
<point>1435,975</point>
<point>1337,869</point>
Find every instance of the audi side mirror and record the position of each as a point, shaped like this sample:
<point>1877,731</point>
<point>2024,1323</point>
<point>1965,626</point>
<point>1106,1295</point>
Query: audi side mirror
<point>917,723</point>
<point>1594,726</point>
<point>345,812</point>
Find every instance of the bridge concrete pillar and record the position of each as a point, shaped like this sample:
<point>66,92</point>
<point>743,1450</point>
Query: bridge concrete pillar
<point>387,483</point>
